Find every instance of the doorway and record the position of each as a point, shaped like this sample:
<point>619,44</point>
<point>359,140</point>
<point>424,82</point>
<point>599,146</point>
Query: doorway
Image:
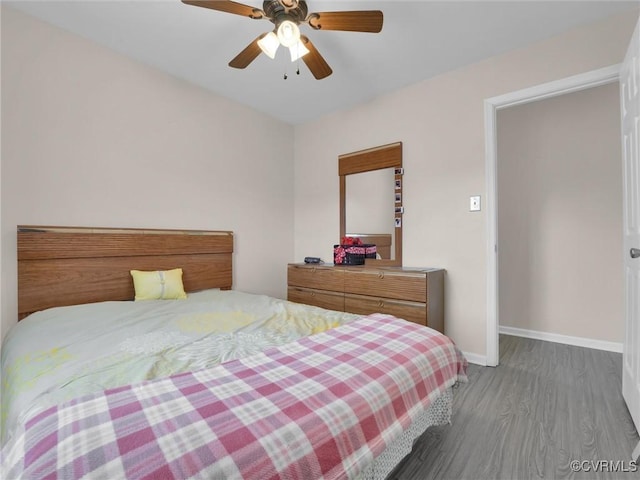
<point>492,105</point>
<point>560,221</point>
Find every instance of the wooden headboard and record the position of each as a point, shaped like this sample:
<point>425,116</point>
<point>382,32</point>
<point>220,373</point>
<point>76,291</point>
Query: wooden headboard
<point>59,266</point>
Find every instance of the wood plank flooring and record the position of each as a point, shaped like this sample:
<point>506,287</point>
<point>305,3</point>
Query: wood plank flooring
<point>544,406</point>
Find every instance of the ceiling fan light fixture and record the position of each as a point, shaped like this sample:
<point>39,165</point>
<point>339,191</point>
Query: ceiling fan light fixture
<point>298,51</point>
<point>288,33</point>
<point>287,16</point>
<point>269,44</point>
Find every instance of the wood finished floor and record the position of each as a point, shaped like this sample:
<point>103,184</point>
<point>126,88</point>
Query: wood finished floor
<point>544,406</point>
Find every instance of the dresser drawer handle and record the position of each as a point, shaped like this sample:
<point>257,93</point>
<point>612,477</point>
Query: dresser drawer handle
<point>313,294</point>
<point>313,269</point>
<point>380,274</point>
<point>381,303</point>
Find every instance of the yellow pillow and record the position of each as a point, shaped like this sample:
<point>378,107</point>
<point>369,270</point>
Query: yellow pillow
<point>158,285</point>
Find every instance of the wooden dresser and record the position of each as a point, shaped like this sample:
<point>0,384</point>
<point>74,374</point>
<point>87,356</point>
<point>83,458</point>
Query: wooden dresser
<point>415,294</point>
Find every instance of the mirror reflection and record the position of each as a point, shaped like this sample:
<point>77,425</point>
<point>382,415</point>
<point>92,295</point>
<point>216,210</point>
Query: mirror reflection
<point>369,209</point>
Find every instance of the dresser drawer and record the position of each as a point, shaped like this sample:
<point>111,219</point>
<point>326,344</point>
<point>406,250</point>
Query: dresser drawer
<point>318,298</point>
<point>415,294</point>
<point>412,311</point>
<point>386,284</point>
<point>324,278</point>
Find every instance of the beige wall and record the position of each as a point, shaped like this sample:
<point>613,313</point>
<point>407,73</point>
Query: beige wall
<point>560,215</point>
<point>92,138</point>
<point>440,122</point>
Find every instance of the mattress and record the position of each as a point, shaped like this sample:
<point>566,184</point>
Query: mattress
<point>55,360</point>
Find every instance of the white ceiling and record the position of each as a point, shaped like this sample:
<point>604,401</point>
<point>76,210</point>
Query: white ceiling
<point>419,39</point>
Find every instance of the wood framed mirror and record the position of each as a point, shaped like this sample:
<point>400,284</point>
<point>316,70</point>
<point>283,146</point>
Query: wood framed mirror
<point>382,167</point>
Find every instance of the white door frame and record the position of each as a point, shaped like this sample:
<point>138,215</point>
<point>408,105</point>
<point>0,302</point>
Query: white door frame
<point>563,86</point>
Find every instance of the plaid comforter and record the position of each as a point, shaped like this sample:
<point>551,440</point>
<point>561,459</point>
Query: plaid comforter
<point>321,407</point>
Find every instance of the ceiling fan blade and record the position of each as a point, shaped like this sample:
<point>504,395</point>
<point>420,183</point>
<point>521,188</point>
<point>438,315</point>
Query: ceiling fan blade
<point>228,7</point>
<point>355,21</point>
<point>318,66</point>
<point>248,55</point>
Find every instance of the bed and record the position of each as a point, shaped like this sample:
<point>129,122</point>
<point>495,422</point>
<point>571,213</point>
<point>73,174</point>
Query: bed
<point>220,384</point>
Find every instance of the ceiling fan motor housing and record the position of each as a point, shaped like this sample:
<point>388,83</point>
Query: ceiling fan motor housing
<point>277,11</point>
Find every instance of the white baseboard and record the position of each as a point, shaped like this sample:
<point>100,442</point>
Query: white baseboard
<point>476,359</point>
<point>566,339</point>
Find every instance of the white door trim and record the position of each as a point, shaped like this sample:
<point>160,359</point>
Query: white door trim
<point>563,86</point>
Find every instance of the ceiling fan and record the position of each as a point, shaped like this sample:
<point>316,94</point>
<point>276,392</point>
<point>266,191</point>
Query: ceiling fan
<point>287,15</point>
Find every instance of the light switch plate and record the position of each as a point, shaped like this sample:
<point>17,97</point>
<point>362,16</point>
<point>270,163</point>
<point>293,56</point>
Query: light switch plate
<point>474,203</point>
